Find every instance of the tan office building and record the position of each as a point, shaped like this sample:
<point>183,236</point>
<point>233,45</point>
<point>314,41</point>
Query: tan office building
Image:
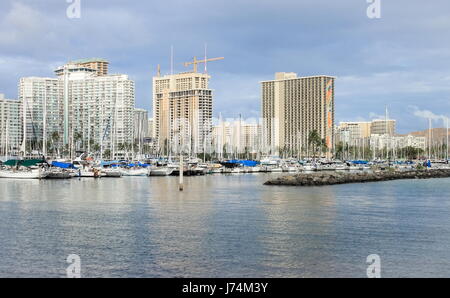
<point>294,106</point>
<point>182,112</point>
<point>383,127</point>
<point>358,130</point>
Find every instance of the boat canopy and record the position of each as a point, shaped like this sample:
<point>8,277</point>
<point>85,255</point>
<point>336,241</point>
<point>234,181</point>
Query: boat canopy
<point>23,163</point>
<point>359,162</point>
<point>247,163</point>
<point>63,165</point>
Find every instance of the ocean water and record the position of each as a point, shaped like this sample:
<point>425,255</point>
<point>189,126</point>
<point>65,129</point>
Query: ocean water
<point>223,226</point>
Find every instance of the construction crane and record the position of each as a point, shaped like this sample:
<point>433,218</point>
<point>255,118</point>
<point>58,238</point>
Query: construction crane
<point>195,62</point>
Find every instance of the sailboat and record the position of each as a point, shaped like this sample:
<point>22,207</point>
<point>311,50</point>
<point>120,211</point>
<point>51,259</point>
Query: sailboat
<point>21,169</point>
<point>23,174</point>
<point>161,171</point>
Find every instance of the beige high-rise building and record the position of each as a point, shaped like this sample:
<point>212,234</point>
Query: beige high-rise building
<point>182,112</point>
<point>293,107</point>
<point>98,64</point>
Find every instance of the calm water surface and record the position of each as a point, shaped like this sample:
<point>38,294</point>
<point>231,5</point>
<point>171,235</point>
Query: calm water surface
<point>223,226</point>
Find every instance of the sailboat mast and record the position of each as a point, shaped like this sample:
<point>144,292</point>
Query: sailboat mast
<point>7,139</point>
<point>44,124</point>
<point>447,142</point>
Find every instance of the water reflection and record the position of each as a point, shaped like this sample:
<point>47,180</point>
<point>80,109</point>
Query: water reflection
<point>222,226</point>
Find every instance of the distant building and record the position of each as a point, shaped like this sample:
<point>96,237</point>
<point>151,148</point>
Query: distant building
<point>357,130</point>
<point>293,107</point>
<point>10,126</point>
<point>150,128</point>
<point>182,112</point>
<point>237,137</point>
<point>140,125</point>
<point>381,127</point>
<point>382,142</point>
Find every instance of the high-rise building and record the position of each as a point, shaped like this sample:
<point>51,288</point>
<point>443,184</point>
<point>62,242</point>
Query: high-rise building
<point>10,126</point>
<point>383,127</point>
<point>42,110</point>
<point>97,64</point>
<point>79,111</point>
<point>293,107</point>
<point>140,125</point>
<point>182,112</point>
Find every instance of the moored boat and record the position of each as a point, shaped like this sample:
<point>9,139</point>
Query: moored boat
<point>161,171</point>
<point>23,174</point>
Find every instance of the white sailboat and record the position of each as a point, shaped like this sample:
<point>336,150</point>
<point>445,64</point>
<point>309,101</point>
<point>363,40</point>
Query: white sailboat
<point>134,172</point>
<point>161,171</point>
<point>23,174</point>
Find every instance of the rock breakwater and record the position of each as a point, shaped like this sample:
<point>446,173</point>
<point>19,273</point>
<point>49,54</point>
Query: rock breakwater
<point>331,178</point>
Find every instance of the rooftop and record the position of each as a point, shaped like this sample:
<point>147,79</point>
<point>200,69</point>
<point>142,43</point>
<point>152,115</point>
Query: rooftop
<point>88,60</point>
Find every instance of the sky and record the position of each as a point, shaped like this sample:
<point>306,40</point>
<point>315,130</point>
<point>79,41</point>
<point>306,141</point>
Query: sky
<point>400,60</point>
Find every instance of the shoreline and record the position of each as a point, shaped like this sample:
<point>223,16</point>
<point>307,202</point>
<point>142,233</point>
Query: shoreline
<point>322,179</point>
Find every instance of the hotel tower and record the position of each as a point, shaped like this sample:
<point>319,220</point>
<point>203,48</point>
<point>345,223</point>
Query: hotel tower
<point>293,107</point>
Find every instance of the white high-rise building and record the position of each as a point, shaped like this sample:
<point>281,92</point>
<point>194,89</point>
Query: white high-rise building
<point>42,110</point>
<point>10,126</point>
<point>79,110</point>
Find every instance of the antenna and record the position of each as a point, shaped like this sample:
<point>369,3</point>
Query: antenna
<point>206,58</point>
<point>171,60</point>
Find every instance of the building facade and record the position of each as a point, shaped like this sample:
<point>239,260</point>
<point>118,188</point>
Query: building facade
<point>182,113</point>
<point>383,127</point>
<point>79,110</point>
<point>98,64</point>
<point>236,137</point>
<point>140,127</point>
<point>10,126</point>
<point>42,109</point>
<point>293,107</point>
<point>357,130</point>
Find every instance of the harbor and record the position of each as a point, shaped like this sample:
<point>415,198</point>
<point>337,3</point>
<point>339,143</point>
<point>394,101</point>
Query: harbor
<point>88,168</point>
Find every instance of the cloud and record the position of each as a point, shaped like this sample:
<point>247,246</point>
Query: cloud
<point>425,114</point>
<point>399,60</point>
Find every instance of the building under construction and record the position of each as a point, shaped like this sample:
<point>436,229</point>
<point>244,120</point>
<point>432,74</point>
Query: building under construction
<point>182,111</point>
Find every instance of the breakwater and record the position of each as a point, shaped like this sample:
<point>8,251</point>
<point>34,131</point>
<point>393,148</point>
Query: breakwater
<point>331,178</point>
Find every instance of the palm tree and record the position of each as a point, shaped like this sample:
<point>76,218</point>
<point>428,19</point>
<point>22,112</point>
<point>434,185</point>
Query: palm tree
<point>314,140</point>
<point>55,141</point>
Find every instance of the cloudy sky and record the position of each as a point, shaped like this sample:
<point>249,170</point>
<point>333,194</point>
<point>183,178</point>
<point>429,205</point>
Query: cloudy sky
<point>401,60</point>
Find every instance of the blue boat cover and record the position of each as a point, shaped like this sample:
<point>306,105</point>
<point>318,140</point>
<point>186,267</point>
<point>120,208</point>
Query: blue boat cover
<point>247,163</point>
<point>63,165</point>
